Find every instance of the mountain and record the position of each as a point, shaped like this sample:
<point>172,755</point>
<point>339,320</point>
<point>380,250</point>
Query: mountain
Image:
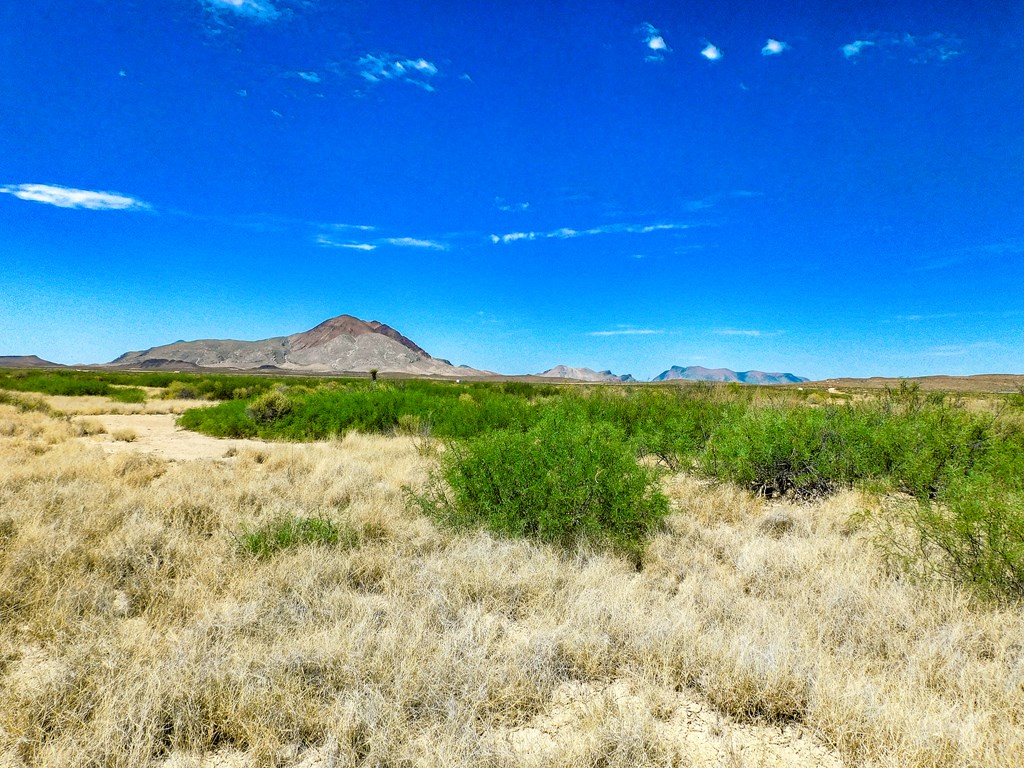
<point>583,374</point>
<point>26,361</point>
<point>341,344</point>
<point>698,373</point>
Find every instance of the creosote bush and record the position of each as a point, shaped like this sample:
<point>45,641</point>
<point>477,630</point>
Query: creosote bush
<point>269,407</point>
<point>565,480</point>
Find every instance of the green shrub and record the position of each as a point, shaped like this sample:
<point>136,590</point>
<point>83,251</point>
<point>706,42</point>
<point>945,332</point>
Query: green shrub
<point>286,532</point>
<point>180,390</point>
<point>778,450</point>
<point>563,481</point>
<point>269,407</point>
<point>127,395</point>
<point>974,534</point>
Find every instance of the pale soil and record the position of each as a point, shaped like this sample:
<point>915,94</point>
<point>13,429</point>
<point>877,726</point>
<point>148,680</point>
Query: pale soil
<point>157,434</point>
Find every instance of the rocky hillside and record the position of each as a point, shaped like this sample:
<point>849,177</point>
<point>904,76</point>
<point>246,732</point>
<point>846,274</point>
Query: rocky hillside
<point>341,344</point>
<point>699,373</point>
<point>583,374</point>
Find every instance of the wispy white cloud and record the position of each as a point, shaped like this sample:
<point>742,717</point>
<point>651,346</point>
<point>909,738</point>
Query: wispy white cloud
<point>712,52</point>
<point>414,242</point>
<point>627,332</point>
<point>67,197</point>
<point>754,333</point>
<point>852,50</point>
<point>335,241</point>
<point>381,67</point>
<point>918,49</point>
<point>309,77</point>
<point>959,350</point>
<point>567,233</point>
<point>918,318</point>
<point>936,47</point>
<point>261,10</point>
<point>657,48</point>
<point>774,47</point>
<point>1013,246</point>
<point>358,227</point>
<point>329,242</point>
<point>504,205</point>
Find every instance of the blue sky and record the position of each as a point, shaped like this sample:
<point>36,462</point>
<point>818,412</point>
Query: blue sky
<point>822,188</point>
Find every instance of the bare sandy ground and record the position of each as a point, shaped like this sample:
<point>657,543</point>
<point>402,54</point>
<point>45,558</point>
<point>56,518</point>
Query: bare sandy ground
<point>156,433</point>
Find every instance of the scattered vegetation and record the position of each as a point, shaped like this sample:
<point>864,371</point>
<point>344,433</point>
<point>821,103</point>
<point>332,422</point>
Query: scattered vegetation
<point>137,631</point>
<point>292,531</point>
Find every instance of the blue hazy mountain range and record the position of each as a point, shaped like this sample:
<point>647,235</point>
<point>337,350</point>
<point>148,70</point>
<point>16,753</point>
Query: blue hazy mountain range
<point>699,373</point>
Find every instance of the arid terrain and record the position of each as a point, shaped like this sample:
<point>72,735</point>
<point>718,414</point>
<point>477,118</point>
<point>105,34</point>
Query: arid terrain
<point>136,631</point>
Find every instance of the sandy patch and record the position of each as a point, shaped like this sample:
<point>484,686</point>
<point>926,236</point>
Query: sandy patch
<point>707,737</point>
<point>156,433</point>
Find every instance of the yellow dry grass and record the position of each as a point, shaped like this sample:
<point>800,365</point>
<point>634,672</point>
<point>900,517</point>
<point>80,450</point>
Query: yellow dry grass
<point>134,632</point>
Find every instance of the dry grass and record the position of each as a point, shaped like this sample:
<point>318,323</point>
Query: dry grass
<point>95,405</point>
<point>134,630</point>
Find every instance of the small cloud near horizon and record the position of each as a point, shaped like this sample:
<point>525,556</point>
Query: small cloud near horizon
<point>774,47</point>
<point>627,332</point>
<point>916,318</point>
<point>959,350</point>
<point>753,333</point>
<point>68,197</point>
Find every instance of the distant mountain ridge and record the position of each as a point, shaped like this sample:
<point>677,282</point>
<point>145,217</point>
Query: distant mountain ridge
<point>584,374</point>
<point>699,373</point>
<point>26,361</point>
<point>340,344</point>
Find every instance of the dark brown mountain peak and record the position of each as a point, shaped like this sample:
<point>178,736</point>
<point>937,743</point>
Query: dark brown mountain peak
<point>347,325</point>
<point>391,333</point>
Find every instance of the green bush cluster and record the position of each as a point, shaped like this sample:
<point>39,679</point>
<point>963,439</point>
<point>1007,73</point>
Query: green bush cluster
<point>226,386</point>
<point>444,410</point>
<point>565,480</point>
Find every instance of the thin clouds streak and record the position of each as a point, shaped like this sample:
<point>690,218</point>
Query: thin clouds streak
<point>383,67</point>
<point>627,332</point>
<point>752,333</point>
<point>68,197</point>
<point>326,241</point>
<point>919,49</point>
<point>566,233</point>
